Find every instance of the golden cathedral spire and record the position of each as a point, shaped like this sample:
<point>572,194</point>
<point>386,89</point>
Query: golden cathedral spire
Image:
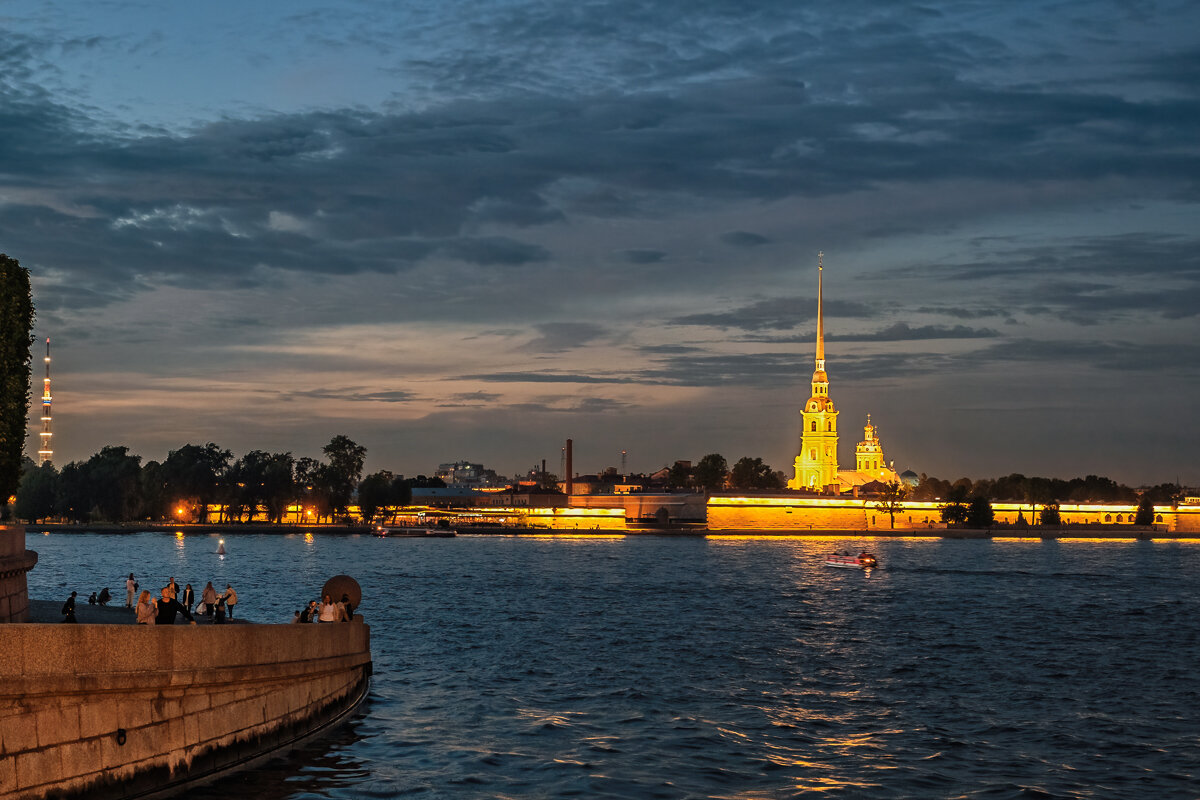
<point>816,465</point>
<point>820,315</point>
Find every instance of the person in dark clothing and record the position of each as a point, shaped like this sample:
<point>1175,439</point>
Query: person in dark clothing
<point>169,607</point>
<point>309,614</point>
<point>69,608</point>
<point>105,596</point>
<point>189,597</point>
<point>349,607</point>
<point>219,614</point>
<point>92,599</point>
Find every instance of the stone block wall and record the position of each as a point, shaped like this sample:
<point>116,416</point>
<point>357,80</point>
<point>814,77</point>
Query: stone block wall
<point>109,711</point>
<point>15,561</point>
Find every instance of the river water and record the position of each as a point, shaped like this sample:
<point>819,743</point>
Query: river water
<point>647,667</point>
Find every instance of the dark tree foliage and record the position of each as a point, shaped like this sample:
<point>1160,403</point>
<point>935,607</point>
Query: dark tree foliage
<point>115,478</point>
<point>930,489</point>
<point>37,493</point>
<point>260,480</point>
<point>679,476</point>
<point>374,494</point>
<point>1017,488</point>
<point>1166,494</point>
<point>278,485</point>
<point>979,513</point>
<point>752,473</point>
<point>193,475</point>
<point>1050,515</point>
<point>402,492</point>
<point>74,500</point>
<point>955,510</point>
<point>1145,511</point>
<point>710,473</point>
<point>16,324</point>
<point>891,500</point>
<point>156,503</point>
<point>343,471</point>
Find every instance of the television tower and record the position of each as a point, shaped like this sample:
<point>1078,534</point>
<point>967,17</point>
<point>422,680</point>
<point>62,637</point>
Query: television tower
<point>46,453</point>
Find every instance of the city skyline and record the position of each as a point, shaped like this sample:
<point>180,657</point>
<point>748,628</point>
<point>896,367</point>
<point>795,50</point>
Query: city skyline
<point>470,233</point>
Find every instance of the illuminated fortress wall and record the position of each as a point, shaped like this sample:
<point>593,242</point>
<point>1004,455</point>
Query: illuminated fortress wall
<point>801,513</point>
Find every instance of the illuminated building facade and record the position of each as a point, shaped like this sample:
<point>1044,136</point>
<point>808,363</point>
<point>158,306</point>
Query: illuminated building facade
<point>46,453</point>
<point>817,465</point>
<point>869,463</point>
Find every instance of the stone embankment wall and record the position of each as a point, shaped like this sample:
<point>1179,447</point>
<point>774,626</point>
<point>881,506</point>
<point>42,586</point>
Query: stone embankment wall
<point>112,711</point>
<point>15,561</point>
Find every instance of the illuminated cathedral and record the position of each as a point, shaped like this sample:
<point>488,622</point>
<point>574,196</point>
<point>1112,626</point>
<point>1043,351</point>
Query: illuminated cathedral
<point>817,463</point>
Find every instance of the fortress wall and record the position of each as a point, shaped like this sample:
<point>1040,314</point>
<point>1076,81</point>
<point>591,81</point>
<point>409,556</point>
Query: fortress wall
<point>15,561</point>
<point>802,513</point>
<point>645,506</point>
<point>737,513</point>
<point>105,711</point>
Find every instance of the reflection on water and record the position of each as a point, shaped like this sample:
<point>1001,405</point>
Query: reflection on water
<point>736,667</point>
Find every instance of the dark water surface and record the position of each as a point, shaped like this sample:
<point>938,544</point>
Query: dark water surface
<point>731,668</point>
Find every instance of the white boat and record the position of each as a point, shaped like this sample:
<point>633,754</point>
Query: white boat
<point>441,533</point>
<point>863,560</point>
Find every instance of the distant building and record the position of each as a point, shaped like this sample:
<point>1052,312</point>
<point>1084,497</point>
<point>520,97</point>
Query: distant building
<point>467,474</point>
<point>816,465</point>
<point>870,465</point>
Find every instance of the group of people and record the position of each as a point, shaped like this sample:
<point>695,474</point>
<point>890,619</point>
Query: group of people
<point>101,599</point>
<point>326,611</point>
<point>173,602</point>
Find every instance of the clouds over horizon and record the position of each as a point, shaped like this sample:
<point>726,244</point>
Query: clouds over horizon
<point>626,190</point>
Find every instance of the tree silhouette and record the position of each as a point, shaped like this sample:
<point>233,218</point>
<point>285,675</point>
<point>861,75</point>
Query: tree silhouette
<point>16,323</point>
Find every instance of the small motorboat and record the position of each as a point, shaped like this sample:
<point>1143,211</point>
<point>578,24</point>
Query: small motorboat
<point>863,560</point>
<point>415,533</point>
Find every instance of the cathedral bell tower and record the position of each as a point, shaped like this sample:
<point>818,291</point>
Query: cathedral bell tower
<point>817,464</point>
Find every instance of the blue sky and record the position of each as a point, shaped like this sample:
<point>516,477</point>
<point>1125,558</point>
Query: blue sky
<point>472,230</point>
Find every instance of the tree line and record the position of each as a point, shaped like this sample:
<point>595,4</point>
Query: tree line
<point>114,486</point>
<point>969,502</point>
<point>712,474</point>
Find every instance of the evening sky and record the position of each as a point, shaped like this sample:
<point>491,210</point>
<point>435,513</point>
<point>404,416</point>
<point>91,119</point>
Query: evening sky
<point>470,230</point>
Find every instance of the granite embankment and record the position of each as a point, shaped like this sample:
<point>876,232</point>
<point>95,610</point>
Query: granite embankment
<point>120,711</point>
<point>105,709</point>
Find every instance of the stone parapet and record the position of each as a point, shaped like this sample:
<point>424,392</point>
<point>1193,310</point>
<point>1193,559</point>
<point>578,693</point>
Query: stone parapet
<point>15,561</point>
<point>113,711</point>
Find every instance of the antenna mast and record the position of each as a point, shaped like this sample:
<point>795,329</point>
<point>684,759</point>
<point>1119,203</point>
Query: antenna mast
<point>46,453</point>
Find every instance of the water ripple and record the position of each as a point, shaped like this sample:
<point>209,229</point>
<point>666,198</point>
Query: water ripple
<point>687,668</point>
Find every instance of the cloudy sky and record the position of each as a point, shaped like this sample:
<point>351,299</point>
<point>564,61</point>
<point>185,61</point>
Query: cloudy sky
<point>470,230</point>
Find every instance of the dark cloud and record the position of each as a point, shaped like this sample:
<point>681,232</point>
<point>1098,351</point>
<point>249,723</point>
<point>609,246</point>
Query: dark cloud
<point>761,115</point>
<point>780,313</point>
<point>750,370</point>
<point>744,239</point>
<point>1122,357</point>
<point>571,405</point>
<point>558,337</point>
<point>475,397</point>
<point>903,332</point>
<point>544,377</point>
<point>352,395</point>
<point>643,256</point>
<point>495,250</point>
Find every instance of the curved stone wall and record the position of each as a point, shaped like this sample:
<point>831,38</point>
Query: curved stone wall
<point>116,711</point>
<point>15,561</point>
